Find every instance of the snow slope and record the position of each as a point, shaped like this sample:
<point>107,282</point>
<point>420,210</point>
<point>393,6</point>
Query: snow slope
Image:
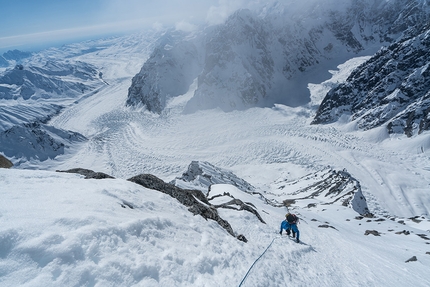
<point>62,230</point>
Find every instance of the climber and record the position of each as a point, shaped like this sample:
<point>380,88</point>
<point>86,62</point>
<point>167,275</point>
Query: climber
<point>290,223</point>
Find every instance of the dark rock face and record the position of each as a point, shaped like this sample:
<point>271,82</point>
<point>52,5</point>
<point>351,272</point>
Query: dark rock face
<point>5,163</point>
<point>412,259</point>
<point>87,173</point>
<point>392,89</point>
<point>373,232</point>
<point>194,199</point>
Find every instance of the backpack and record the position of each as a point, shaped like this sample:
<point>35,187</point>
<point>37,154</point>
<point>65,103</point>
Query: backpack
<point>291,218</point>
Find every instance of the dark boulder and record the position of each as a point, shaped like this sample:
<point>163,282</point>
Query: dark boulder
<point>5,163</point>
<point>87,173</point>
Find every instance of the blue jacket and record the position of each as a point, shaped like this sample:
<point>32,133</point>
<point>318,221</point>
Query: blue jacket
<point>285,225</point>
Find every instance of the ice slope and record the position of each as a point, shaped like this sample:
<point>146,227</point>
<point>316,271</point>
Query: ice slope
<point>60,229</point>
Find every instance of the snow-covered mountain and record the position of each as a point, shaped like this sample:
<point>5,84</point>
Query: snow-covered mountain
<point>169,72</point>
<point>13,56</point>
<point>52,79</point>
<point>196,199</point>
<point>266,57</point>
<point>391,89</point>
<point>43,84</point>
<point>31,94</point>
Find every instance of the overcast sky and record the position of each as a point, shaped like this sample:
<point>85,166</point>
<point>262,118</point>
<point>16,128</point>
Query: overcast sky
<point>30,24</point>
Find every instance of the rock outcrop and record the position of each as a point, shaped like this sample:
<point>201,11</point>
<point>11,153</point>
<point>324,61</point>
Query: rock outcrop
<point>326,187</point>
<point>87,173</point>
<point>4,162</point>
<point>195,200</point>
<point>201,175</point>
<point>391,89</point>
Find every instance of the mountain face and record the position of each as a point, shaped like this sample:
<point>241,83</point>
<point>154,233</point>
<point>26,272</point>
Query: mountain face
<point>52,80</point>
<point>3,62</point>
<point>13,56</point>
<point>37,141</point>
<point>392,89</point>
<point>258,59</point>
<point>170,70</point>
<point>31,93</point>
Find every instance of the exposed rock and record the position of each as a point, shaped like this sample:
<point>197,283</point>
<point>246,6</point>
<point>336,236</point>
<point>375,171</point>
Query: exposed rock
<point>379,220</point>
<point>242,238</point>
<point>373,232</point>
<point>413,258</point>
<point>326,226</point>
<point>87,173</point>
<point>289,202</point>
<point>5,163</point>
<point>424,236</point>
<point>390,89</point>
<point>194,199</point>
<point>405,232</point>
<point>202,175</point>
<point>237,204</point>
<point>328,187</point>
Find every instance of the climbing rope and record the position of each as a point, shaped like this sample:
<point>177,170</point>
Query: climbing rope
<point>249,270</point>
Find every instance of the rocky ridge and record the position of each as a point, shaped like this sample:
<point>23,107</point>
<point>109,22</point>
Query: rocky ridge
<point>391,89</point>
<point>325,187</point>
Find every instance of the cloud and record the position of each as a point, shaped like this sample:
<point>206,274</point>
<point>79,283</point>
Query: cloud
<point>185,26</point>
<point>109,17</point>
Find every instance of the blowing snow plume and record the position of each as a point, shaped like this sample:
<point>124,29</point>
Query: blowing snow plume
<point>257,59</point>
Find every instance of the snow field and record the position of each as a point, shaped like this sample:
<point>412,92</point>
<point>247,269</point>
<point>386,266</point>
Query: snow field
<point>59,229</point>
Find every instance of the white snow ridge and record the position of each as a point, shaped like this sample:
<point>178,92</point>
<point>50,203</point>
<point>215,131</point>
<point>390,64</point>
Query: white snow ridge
<point>149,190</point>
